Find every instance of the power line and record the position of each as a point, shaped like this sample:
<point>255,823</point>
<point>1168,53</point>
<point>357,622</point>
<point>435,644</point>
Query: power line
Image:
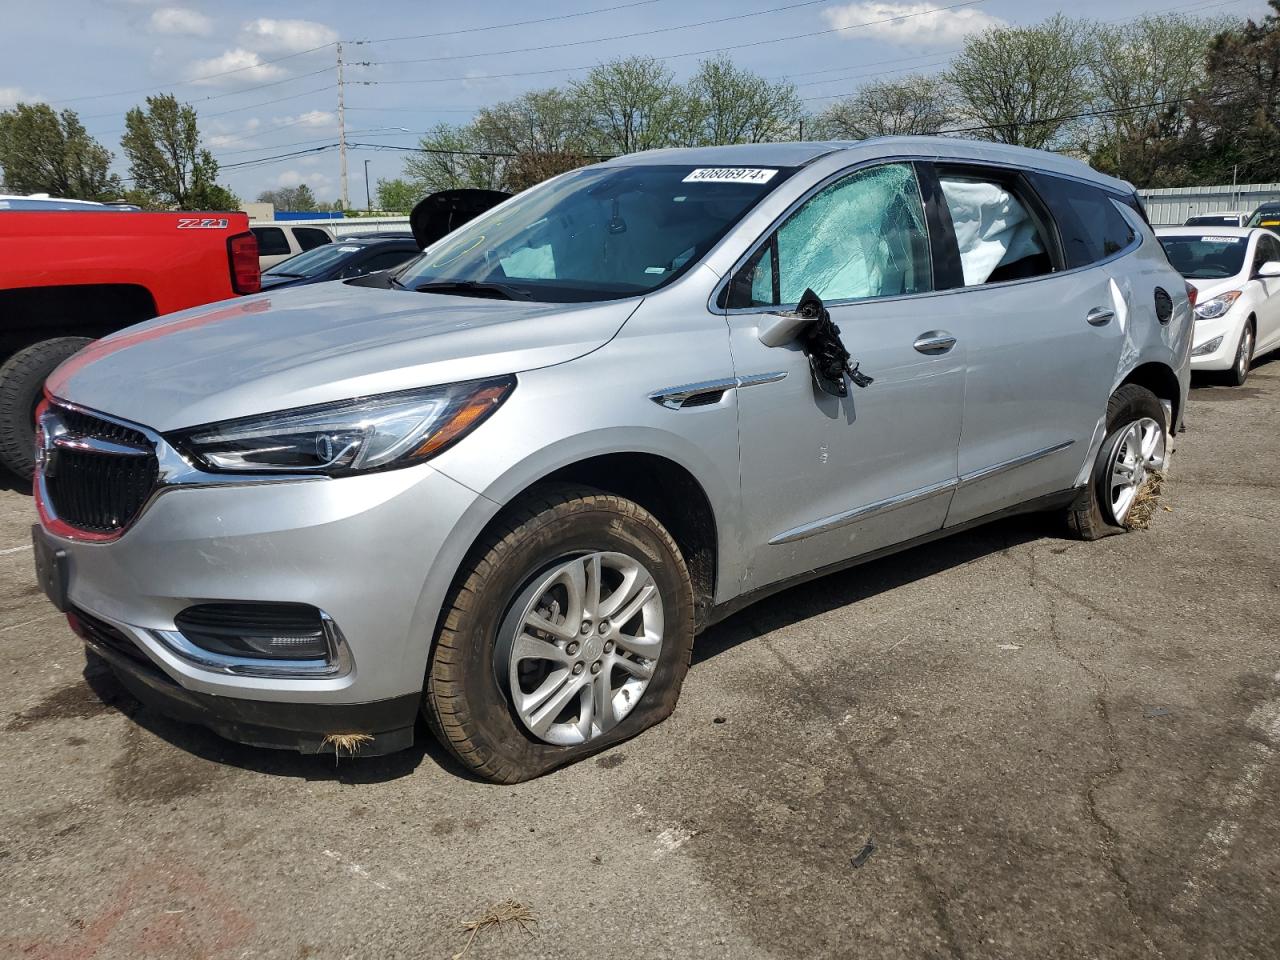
<point>1066,117</point>
<point>677,56</point>
<point>516,23</point>
<point>618,36</point>
<point>200,79</point>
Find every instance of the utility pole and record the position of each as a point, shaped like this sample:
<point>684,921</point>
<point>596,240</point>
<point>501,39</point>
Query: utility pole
<point>368,200</point>
<point>342,134</point>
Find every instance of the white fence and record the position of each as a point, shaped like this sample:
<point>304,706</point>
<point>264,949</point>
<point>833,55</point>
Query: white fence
<point>1170,206</point>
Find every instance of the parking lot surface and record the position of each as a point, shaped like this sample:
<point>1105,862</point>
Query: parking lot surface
<point>1058,749</point>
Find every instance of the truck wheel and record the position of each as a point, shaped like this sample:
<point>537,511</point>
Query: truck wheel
<point>569,630</point>
<point>21,382</point>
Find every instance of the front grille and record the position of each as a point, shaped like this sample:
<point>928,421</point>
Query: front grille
<point>97,491</point>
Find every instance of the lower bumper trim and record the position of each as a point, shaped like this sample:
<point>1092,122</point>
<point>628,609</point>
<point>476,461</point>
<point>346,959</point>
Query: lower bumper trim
<point>304,727</point>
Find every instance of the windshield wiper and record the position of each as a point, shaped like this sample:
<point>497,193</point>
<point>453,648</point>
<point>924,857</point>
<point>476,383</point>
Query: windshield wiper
<point>475,288</point>
<point>280,273</point>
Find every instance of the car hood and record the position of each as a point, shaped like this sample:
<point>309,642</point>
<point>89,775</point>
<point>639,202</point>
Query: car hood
<point>1208,289</point>
<point>319,343</point>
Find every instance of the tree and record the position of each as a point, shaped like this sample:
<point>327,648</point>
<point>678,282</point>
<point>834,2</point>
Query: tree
<point>299,198</point>
<point>632,104</point>
<point>912,105</point>
<point>725,104</point>
<point>1235,120</point>
<point>1018,82</point>
<point>166,159</point>
<point>452,157</point>
<point>44,152</point>
<point>398,195</point>
<point>1146,74</point>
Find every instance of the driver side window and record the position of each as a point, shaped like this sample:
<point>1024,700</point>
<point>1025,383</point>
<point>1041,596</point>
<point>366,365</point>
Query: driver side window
<point>862,237</point>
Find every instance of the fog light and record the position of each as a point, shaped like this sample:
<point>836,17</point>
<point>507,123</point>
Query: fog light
<point>1207,347</point>
<point>277,631</point>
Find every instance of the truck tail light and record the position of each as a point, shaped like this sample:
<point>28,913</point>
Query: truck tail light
<point>1192,293</point>
<point>242,252</point>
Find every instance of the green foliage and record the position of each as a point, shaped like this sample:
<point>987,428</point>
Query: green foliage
<point>910,106</point>
<point>397,195</point>
<point>166,159</point>
<point>44,152</point>
<point>299,198</point>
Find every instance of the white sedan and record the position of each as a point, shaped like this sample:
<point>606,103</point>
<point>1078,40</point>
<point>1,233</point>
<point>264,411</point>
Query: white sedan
<point>1236,273</point>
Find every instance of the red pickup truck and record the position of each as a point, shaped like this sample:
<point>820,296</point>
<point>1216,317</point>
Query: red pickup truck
<point>73,271</point>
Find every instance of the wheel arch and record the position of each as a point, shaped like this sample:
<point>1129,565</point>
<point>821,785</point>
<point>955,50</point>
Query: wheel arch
<point>90,310</point>
<point>1161,380</point>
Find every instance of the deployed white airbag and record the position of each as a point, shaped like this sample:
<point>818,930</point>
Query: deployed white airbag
<point>992,227</point>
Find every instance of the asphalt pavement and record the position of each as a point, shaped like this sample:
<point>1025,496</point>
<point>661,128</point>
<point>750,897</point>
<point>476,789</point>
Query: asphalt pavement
<point>1031,747</point>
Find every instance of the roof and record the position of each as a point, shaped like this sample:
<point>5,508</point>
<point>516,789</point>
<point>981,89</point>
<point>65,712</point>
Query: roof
<point>374,240</point>
<point>943,148</point>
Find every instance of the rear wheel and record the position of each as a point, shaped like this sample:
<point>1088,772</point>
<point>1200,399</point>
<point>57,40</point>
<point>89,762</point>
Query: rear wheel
<point>21,383</point>
<point>570,630</point>
<point>1134,448</point>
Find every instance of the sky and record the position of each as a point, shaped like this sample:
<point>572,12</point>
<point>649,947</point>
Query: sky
<point>263,77</point>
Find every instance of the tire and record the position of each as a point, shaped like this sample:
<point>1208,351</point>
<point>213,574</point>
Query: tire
<point>470,702</point>
<point>1239,371</point>
<point>1093,515</point>
<point>21,383</point>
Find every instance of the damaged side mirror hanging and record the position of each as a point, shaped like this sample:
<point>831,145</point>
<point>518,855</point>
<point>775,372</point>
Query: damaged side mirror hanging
<point>829,360</point>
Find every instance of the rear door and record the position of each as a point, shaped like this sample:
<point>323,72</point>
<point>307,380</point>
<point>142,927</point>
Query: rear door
<point>1042,323</point>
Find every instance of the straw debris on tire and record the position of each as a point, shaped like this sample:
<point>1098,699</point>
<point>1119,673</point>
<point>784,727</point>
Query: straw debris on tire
<point>1146,503</point>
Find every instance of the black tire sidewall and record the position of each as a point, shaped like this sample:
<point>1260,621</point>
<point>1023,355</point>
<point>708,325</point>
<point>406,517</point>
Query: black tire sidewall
<point>495,728</point>
<point>22,380</point>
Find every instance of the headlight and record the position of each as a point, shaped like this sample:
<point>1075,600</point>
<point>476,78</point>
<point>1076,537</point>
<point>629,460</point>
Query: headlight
<point>1217,306</point>
<point>371,433</point>
<point>1207,347</point>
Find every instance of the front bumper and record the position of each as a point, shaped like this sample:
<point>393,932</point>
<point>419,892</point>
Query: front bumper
<point>380,727</point>
<point>1228,327</point>
<point>376,553</point>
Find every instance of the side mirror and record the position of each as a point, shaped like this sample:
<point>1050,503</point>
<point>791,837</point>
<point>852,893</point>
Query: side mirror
<point>779,329</point>
<point>1270,269</point>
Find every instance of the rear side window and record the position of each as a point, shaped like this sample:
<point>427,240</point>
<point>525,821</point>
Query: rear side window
<point>998,237</point>
<point>309,237</point>
<point>1091,227</point>
<point>271,241</point>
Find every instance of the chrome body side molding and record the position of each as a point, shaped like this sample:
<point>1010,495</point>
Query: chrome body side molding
<point>709,391</point>
<point>986,473</point>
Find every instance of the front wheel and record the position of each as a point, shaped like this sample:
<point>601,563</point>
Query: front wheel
<point>569,630</point>
<point>1239,371</point>
<point>1134,448</point>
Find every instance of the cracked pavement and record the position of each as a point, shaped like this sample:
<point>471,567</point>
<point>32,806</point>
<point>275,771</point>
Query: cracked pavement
<point>1058,749</point>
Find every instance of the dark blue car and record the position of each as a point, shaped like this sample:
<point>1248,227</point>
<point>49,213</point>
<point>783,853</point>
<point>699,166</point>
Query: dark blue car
<point>342,260</point>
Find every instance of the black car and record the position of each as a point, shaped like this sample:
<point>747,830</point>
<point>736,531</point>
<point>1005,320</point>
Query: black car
<point>1266,215</point>
<point>341,260</point>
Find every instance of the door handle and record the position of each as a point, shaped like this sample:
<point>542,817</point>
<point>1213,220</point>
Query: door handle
<point>1099,316</point>
<point>934,342</point>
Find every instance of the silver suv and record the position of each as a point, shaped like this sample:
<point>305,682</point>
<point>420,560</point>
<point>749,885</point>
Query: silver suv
<point>508,484</point>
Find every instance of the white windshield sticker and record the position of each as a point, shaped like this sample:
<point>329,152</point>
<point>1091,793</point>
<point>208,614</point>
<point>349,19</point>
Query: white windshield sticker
<point>730,175</point>
<point>349,249</point>
<point>1221,239</point>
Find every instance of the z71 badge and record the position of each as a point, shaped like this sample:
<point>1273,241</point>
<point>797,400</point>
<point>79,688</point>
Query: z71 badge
<point>202,223</point>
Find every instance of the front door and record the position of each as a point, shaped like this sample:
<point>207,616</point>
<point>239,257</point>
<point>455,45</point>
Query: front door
<point>826,478</point>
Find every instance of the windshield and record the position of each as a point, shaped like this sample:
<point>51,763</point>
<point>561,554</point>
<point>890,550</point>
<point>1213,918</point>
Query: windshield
<point>1213,221</point>
<point>1206,257</point>
<point>314,262</point>
<point>601,233</point>
<point>1265,217</point>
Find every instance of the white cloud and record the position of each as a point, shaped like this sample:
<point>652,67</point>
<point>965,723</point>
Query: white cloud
<point>311,120</point>
<point>286,36</point>
<point>233,68</point>
<point>179,20</point>
<point>909,23</point>
<point>10,96</point>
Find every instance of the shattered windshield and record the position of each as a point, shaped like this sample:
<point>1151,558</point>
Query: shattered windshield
<point>601,233</point>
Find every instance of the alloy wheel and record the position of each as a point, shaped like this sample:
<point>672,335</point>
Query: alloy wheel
<point>1244,354</point>
<point>580,646</point>
<point>1139,452</point>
